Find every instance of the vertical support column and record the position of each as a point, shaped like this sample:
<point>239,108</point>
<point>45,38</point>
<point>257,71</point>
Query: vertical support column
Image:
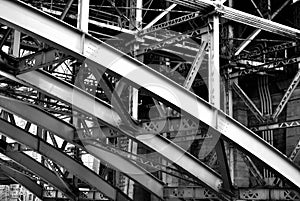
<point>83,15</point>
<point>16,43</point>
<point>229,100</point>
<point>132,13</point>
<point>215,96</point>
<point>229,111</point>
<point>214,65</point>
<point>139,14</point>
<point>269,10</point>
<point>132,146</point>
<point>134,98</point>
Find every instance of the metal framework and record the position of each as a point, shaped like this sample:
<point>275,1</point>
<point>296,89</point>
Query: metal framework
<point>104,113</point>
<point>176,39</point>
<point>244,18</point>
<point>257,31</point>
<point>287,95</point>
<point>38,169</point>
<point>24,180</point>
<point>160,16</point>
<point>71,39</point>
<point>260,52</point>
<point>64,160</point>
<point>258,114</point>
<point>107,113</point>
<point>196,65</point>
<point>195,192</point>
<point>67,132</point>
<point>273,126</point>
<point>266,66</point>
<point>167,24</point>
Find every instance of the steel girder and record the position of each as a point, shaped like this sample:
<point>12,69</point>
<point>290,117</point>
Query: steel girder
<point>36,168</point>
<point>199,193</point>
<point>25,181</point>
<point>264,66</point>
<point>273,126</point>
<point>257,31</point>
<point>173,40</point>
<point>131,32</point>
<point>243,17</point>
<point>47,28</point>
<point>188,82</point>
<point>37,116</point>
<point>167,24</point>
<point>89,104</point>
<point>67,132</point>
<point>260,52</point>
<point>186,161</point>
<point>62,159</point>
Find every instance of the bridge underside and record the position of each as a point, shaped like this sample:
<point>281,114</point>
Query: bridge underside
<point>150,100</point>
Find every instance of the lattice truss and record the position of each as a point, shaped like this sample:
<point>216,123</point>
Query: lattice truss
<point>79,81</point>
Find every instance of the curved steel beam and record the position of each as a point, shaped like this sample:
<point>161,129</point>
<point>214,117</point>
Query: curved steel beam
<point>47,28</point>
<point>36,168</point>
<point>39,117</point>
<point>91,105</point>
<point>62,159</point>
<point>67,132</point>
<point>29,184</point>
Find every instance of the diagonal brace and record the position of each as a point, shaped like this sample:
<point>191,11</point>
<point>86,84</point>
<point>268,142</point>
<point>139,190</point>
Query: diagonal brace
<point>248,102</point>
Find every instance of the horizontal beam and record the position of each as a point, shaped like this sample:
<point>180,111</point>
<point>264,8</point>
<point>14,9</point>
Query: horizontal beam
<point>169,23</point>
<point>273,126</point>
<point>67,132</point>
<point>263,67</point>
<point>164,125</point>
<point>54,195</point>
<point>173,40</point>
<point>113,27</point>
<point>108,24</point>
<point>61,158</point>
<point>29,184</point>
<point>47,29</point>
<point>243,17</point>
<point>260,52</point>
<point>196,192</point>
<point>258,22</point>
